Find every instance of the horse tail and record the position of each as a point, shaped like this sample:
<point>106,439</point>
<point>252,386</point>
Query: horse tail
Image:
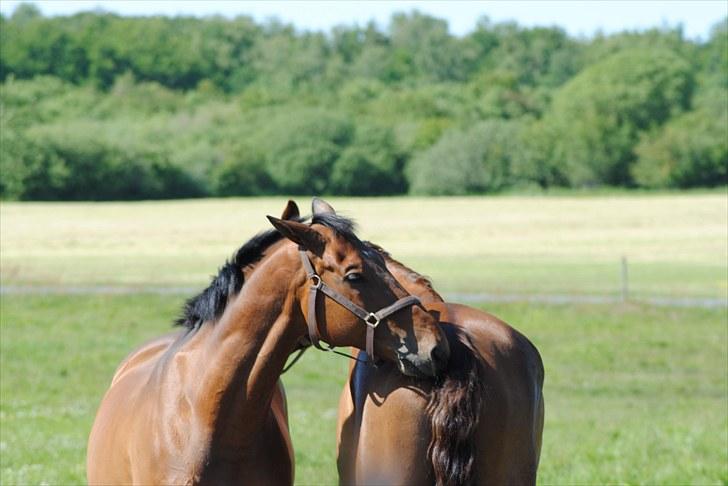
<point>454,412</point>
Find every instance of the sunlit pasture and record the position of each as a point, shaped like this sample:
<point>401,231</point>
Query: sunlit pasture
<point>634,393</point>
<point>675,245</point>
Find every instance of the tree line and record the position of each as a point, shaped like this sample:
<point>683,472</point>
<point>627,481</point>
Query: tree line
<point>98,106</point>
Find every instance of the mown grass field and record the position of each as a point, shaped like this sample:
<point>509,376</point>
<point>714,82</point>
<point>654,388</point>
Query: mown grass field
<point>634,394</point>
<point>675,244</point>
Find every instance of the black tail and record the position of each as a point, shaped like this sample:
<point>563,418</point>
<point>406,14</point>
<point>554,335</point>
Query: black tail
<point>454,411</point>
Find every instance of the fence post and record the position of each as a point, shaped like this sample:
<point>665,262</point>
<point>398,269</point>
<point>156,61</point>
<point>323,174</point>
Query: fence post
<point>625,280</point>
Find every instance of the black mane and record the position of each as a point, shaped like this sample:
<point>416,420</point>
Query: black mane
<point>209,304</point>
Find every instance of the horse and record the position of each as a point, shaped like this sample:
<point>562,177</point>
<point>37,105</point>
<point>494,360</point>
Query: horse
<point>482,422</point>
<point>201,406</point>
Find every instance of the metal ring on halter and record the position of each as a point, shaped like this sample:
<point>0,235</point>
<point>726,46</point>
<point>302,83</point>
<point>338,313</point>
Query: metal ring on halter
<point>316,281</point>
<point>372,320</point>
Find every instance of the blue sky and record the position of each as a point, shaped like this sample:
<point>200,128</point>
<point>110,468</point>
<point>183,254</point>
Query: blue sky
<point>577,17</point>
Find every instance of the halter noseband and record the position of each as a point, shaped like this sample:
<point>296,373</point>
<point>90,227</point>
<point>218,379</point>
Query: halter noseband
<point>371,319</point>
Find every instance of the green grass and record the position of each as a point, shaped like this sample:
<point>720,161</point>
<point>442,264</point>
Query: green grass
<point>634,394</point>
<point>675,243</point>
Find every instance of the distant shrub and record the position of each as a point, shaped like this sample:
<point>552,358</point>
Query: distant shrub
<point>370,166</point>
<point>356,174</point>
<point>79,166</point>
<point>302,146</point>
<point>429,131</point>
<point>464,162</point>
<point>141,98</point>
<point>29,170</point>
<point>21,92</point>
<point>242,173</point>
<point>359,91</point>
<point>689,151</point>
<point>535,164</point>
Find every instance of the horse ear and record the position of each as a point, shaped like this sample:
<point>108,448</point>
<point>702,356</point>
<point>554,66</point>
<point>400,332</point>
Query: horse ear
<point>319,206</point>
<point>291,211</point>
<point>300,233</point>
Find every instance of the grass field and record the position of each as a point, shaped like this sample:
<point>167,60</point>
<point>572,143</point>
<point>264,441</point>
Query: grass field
<point>634,394</point>
<point>675,244</point>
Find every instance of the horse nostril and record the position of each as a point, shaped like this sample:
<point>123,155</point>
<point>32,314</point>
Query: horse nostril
<point>439,356</point>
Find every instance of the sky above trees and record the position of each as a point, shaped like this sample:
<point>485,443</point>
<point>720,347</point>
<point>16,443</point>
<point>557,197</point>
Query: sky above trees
<point>577,18</point>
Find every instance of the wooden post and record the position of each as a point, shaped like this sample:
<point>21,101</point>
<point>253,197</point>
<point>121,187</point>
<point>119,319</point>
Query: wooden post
<point>625,280</point>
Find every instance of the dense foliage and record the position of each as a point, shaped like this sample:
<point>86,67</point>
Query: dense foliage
<point>97,106</point>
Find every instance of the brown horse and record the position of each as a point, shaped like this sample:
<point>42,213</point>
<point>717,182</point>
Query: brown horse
<point>205,406</point>
<point>482,423</point>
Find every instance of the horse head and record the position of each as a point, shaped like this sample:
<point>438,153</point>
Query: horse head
<point>363,305</point>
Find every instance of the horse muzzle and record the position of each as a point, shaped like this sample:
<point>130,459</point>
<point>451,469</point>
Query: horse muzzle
<point>424,365</point>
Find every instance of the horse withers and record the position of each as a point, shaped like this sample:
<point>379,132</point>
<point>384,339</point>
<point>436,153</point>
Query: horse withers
<point>480,423</point>
<point>198,407</point>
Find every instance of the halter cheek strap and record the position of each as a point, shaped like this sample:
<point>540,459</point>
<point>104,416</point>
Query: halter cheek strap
<point>371,319</point>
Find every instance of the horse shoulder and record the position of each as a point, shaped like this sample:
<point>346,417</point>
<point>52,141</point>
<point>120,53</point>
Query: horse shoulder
<point>146,384</point>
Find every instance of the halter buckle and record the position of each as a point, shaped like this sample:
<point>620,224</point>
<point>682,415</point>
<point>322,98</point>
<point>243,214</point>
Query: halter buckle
<point>372,320</point>
<point>315,281</point>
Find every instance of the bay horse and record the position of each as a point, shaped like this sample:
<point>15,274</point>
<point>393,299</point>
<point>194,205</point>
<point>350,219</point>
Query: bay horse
<point>481,423</point>
<point>205,406</point>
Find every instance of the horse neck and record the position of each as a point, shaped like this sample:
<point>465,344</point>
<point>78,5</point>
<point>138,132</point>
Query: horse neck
<point>250,269</point>
<point>243,354</point>
<point>413,282</point>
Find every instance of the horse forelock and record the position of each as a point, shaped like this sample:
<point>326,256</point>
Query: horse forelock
<point>454,412</point>
<point>341,225</point>
<point>345,228</point>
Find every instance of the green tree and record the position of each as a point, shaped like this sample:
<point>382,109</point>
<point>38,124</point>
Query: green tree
<point>466,162</point>
<point>62,163</point>
<point>536,164</point>
<point>302,146</point>
<point>29,170</point>
<point>688,151</point>
<point>423,47</point>
<point>370,166</point>
<point>597,118</point>
<point>542,56</point>
<point>242,173</point>
<point>91,103</point>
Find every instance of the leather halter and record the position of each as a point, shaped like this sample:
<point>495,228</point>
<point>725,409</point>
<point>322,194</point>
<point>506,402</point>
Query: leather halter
<point>371,319</point>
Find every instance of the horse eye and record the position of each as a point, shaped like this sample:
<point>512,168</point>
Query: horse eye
<point>354,277</point>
